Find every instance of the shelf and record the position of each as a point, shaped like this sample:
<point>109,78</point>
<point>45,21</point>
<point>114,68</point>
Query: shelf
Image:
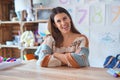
<point>16,46</point>
<point>39,21</point>
<point>10,22</point>
<point>16,22</point>
<point>9,46</point>
<point>34,47</point>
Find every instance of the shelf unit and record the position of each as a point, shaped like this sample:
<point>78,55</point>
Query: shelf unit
<point>21,25</point>
<point>8,29</point>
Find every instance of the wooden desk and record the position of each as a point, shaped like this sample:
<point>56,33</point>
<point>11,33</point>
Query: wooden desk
<point>29,71</point>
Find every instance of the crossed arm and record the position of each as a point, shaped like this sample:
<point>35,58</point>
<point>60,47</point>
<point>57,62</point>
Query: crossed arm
<point>77,59</point>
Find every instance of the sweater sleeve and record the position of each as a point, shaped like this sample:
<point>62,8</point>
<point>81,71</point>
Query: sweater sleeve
<point>44,53</point>
<point>79,58</point>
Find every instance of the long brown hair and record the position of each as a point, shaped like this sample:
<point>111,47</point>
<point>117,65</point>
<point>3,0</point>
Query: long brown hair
<point>56,34</point>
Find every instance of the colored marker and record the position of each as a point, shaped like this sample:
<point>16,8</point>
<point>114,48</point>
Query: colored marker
<point>8,59</point>
<point>11,59</point>
<point>117,72</point>
<point>4,59</point>
<point>112,72</point>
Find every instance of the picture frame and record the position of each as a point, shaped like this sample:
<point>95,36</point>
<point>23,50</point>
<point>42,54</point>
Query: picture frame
<point>42,14</point>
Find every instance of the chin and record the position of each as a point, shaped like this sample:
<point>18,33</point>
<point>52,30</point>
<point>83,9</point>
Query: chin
<point>65,32</point>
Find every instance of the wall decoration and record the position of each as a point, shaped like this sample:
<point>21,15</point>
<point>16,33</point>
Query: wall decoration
<point>71,11</point>
<point>82,15</point>
<point>97,14</point>
<point>91,1</point>
<point>64,1</point>
<point>78,2</point>
<point>107,38</point>
<point>115,14</point>
<point>106,1</point>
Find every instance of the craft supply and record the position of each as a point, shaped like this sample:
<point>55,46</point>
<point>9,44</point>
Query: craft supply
<point>4,59</point>
<point>1,59</point>
<point>8,59</point>
<point>6,64</point>
<point>11,59</point>
<point>112,72</point>
<point>117,72</point>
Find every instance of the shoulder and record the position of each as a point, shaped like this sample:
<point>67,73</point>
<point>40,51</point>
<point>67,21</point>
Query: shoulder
<point>49,37</point>
<point>48,40</point>
<point>80,36</point>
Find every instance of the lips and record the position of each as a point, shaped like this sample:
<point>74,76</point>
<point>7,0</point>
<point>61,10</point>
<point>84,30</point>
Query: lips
<point>66,28</point>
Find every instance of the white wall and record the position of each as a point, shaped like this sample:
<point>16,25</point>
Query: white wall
<point>99,22</point>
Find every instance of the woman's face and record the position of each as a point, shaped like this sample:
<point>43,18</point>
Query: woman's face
<point>62,22</point>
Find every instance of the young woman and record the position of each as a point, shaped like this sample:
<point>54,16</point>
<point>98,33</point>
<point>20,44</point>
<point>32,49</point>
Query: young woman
<point>65,45</point>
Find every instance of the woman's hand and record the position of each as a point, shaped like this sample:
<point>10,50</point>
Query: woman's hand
<point>78,50</point>
<point>61,57</point>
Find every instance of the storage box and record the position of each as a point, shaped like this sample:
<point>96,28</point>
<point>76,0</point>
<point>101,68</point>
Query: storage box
<point>42,14</point>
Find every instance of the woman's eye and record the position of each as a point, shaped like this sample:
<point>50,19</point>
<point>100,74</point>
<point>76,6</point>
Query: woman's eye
<point>64,18</point>
<point>58,21</point>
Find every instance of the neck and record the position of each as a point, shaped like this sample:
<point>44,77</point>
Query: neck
<point>67,35</point>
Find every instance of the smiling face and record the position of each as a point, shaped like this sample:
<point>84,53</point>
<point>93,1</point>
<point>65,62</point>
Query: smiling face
<point>62,22</point>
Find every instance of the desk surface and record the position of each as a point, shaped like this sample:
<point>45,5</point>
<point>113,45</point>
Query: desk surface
<point>29,71</point>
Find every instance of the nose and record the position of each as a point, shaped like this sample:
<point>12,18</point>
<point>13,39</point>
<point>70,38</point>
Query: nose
<point>62,22</point>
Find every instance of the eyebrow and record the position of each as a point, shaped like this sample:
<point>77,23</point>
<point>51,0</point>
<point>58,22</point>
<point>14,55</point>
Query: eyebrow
<point>65,17</point>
